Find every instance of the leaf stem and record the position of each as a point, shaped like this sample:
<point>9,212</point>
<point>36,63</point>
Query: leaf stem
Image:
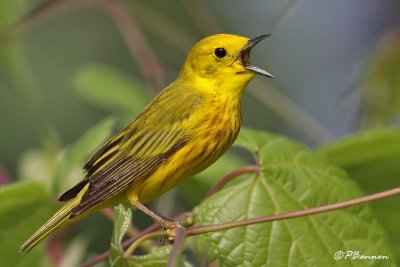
<point>135,244</point>
<point>230,176</point>
<point>196,230</point>
<point>125,244</point>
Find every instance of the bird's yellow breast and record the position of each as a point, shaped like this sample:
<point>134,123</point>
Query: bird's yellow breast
<point>217,123</point>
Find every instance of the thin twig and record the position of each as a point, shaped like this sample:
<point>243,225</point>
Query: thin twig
<point>125,245</point>
<point>135,40</point>
<point>54,250</point>
<point>177,247</point>
<point>196,230</point>
<point>4,177</point>
<point>149,229</point>
<point>230,176</point>
<point>171,32</point>
<point>123,20</point>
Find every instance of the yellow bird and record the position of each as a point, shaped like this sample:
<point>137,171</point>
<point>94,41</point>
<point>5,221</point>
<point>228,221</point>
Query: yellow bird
<point>181,132</point>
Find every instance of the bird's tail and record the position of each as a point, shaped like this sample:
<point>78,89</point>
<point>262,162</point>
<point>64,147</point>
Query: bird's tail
<point>60,218</point>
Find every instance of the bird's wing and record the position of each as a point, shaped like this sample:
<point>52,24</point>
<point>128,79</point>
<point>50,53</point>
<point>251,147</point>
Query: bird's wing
<point>137,151</point>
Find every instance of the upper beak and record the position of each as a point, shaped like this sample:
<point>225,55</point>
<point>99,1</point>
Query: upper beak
<point>244,56</point>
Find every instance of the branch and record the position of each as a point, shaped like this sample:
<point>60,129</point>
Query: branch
<point>135,41</point>
<point>125,245</point>
<point>196,230</point>
<point>121,17</point>
<point>177,247</point>
<point>183,216</point>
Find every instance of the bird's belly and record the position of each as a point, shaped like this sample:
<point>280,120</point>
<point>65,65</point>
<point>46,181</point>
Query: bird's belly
<point>195,156</point>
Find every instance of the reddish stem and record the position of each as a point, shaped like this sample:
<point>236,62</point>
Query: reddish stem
<point>196,230</point>
<point>230,176</point>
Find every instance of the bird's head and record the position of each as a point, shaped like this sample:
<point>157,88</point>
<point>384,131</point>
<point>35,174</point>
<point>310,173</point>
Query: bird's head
<point>222,57</point>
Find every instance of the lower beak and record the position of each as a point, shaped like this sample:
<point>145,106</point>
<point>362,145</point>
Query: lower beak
<point>244,56</point>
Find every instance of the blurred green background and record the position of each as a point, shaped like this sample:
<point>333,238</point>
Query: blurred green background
<point>65,66</point>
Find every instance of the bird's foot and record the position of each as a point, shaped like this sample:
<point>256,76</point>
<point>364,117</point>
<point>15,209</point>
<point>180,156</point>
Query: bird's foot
<point>170,227</point>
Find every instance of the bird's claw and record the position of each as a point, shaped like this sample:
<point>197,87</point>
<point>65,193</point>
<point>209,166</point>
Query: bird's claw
<point>170,227</point>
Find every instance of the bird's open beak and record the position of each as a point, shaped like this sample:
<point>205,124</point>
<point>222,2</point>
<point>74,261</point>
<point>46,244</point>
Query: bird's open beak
<point>244,56</point>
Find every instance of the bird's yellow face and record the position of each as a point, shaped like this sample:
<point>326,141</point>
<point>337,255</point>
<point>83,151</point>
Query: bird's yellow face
<point>221,57</point>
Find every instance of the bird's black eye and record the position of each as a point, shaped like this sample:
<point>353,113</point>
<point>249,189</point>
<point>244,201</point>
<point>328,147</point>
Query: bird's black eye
<point>220,52</point>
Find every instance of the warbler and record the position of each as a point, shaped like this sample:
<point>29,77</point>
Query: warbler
<point>182,131</point>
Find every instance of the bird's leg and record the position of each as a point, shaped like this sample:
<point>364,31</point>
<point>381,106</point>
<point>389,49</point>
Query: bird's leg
<point>166,224</point>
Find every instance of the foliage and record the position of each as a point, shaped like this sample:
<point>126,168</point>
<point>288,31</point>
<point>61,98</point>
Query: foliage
<point>158,257</point>
<point>24,207</point>
<point>109,88</point>
<point>122,221</point>
<point>381,98</point>
<point>291,177</point>
<point>371,159</point>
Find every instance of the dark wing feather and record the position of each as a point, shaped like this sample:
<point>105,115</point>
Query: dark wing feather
<point>124,172</point>
<point>137,151</point>
<point>74,191</point>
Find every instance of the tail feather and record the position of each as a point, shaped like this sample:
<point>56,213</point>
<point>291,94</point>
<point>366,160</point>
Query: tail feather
<point>61,217</point>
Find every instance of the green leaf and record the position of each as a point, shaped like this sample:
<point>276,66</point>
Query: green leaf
<point>122,221</point>
<point>252,140</point>
<point>70,170</point>
<point>157,258</point>
<point>372,159</point>
<point>15,73</point>
<point>109,88</point>
<point>195,188</point>
<point>367,155</point>
<point>381,84</point>
<point>291,178</point>
<point>24,207</point>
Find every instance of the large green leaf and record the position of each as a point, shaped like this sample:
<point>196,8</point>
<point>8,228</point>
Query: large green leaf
<point>367,155</point>
<point>195,188</point>
<point>24,207</point>
<point>291,178</point>
<point>109,88</point>
<point>372,159</point>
